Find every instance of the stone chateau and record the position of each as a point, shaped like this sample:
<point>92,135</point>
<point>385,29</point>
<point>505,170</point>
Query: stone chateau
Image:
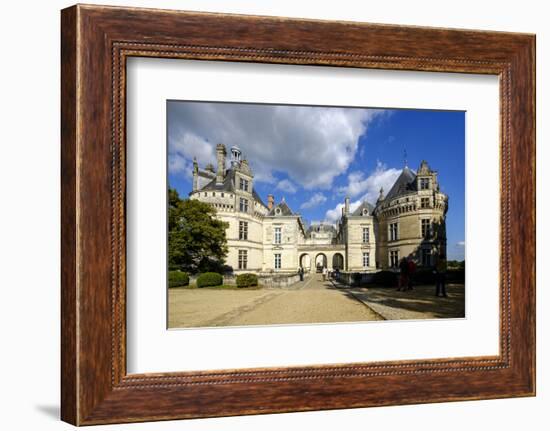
<point>407,221</point>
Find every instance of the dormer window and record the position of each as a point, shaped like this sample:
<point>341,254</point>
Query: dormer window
<point>365,212</point>
<point>424,183</point>
<point>278,211</point>
<point>243,184</point>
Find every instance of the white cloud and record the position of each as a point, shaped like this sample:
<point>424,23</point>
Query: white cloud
<point>183,147</point>
<point>286,186</point>
<point>312,145</point>
<point>313,201</point>
<point>368,188</point>
<point>333,215</point>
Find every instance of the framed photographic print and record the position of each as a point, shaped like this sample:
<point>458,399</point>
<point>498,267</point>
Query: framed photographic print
<point>267,215</point>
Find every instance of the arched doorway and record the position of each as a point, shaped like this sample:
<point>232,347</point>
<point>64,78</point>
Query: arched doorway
<point>320,262</point>
<point>305,262</point>
<point>338,261</point>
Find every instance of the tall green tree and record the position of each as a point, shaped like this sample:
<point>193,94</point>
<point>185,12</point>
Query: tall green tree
<point>196,239</point>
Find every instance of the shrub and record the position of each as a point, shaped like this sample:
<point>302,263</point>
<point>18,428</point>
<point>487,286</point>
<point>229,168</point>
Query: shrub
<point>209,279</point>
<point>455,275</point>
<point>172,267</point>
<point>177,279</point>
<point>385,278</point>
<point>247,280</point>
<point>424,276</point>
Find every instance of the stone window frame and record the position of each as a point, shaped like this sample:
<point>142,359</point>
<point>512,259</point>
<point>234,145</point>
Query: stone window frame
<point>243,184</point>
<point>366,259</point>
<point>366,238</point>
<point>426,201</point>
<point>425,228</point>
<point>243,230</point>
<point>243,203</point>
<point>392,254</point>
<point>277,260</point>
<point>278,235</point>
<point>393,234</point>
<point>424,183</point>
<point>243,259</point>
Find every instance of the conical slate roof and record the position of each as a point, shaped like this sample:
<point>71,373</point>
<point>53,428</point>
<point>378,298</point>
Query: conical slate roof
<point>404,184</point>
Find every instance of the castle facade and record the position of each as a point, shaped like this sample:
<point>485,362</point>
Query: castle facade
<point>408,221</point>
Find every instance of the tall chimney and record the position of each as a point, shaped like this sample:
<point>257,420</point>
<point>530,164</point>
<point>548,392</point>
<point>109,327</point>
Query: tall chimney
<point>220,153</point>
<point>195,174</point>
<point>270,201</point>
<point>346,206</point>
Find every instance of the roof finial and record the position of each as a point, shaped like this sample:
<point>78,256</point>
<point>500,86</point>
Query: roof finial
<point>405,157</point>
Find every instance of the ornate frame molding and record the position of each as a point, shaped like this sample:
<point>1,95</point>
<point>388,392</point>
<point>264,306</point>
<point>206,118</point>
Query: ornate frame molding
<point>96,41</point>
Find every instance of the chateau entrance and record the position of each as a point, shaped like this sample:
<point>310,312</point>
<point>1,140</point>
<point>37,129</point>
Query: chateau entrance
<point>338,261</point>
<point>305,262</point>
<point>320,261</point>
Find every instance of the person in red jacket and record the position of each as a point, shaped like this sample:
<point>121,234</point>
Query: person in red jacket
<point>403,280</point>
<point>411,266</point>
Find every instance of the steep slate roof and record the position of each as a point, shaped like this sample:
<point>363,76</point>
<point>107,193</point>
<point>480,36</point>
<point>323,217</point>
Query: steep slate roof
<point>285,210</point>
<point>228,185</point>
<point>359,210</point>
<point>404,183</point>
<point>321,227</point>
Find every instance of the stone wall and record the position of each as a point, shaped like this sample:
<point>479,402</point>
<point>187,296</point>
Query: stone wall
<point>264,279</point>
<point>355,278</point>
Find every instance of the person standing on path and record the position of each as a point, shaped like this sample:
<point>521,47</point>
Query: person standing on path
<point>440,276</point>
<point>411,269</point>
<point>325,271</point>
<point>301,272</point>
<point>403,275</point>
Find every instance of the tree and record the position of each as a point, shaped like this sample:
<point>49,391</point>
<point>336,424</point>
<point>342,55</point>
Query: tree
<point>196,239</point>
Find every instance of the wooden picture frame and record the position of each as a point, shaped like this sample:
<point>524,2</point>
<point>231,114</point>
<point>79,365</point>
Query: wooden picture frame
<point>95,43</point>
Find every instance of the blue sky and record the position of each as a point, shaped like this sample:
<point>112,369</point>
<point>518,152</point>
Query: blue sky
<point>315,156</point>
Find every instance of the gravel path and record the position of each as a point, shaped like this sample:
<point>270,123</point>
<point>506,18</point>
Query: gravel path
<point>310,301</point>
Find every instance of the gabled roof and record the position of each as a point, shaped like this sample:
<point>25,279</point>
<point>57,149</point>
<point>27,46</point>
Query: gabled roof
<point>359,210</point>
<point>285,210</point>
<point>404,184</point>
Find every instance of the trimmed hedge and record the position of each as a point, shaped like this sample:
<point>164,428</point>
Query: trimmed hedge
<point>424,276</point>
<point>246,280</point>
<point>385,278</point>
<point>209,279</point>
<point>177,279</point>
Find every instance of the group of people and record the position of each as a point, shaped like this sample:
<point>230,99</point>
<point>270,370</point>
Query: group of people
<point>407,268</point>
<point>324,270</point>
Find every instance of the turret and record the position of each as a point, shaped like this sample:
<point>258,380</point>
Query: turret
<point>426,179</point>
<point>235,156</point>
